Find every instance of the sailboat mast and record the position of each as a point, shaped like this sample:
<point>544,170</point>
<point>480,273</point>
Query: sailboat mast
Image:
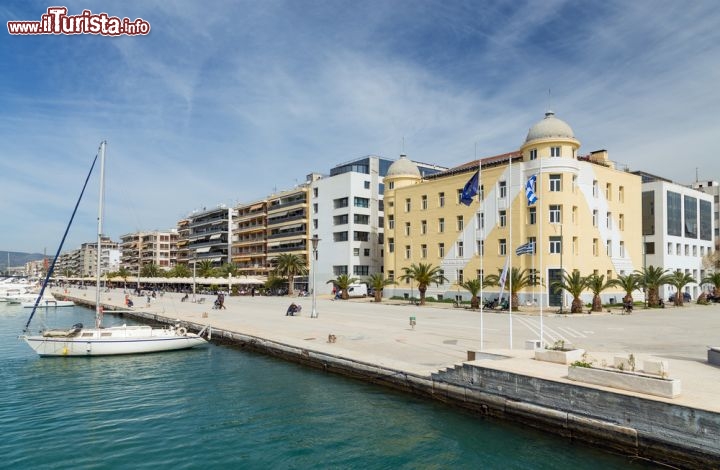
<point>98,314</point>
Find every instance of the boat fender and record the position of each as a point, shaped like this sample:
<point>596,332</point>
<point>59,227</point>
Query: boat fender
<point>181,331</point>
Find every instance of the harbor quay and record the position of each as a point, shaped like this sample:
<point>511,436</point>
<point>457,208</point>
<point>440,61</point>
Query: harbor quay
<point>442,353</point>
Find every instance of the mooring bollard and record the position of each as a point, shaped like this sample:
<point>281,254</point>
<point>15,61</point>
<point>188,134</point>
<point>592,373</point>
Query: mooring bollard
<point>412,322</point>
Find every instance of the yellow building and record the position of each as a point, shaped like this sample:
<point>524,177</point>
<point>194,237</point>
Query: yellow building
<point>587,217</point>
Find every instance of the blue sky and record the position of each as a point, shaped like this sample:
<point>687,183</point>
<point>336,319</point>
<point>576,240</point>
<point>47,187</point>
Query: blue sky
<point>227,101</point>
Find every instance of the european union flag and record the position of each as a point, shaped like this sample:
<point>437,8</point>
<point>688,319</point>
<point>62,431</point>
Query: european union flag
<point>470,190</point>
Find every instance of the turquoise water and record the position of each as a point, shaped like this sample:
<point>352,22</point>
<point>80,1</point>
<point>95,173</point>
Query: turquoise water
<point>218,407</point>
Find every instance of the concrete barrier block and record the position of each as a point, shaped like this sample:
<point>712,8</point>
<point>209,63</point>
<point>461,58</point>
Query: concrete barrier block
<point>661,368</point>
<point>560,357</point>
<point>657,386</point>
<point>532,344</point>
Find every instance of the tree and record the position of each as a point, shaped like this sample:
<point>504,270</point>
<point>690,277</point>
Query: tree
<point>181,270</point>
<point>273,283</point>
<point>629,283</point>
<point>596,283</point>
<point>288,264</point>
<point>473,286</point>
<point>205,268</point>
<point>518,281</point>
<point>150,270</point>
<point>378,282</point>
<point>679,280</point>
<point>342,282</point>
<point>124,273</point>
<point>574,284</point>
<point>713,279</point>
<point>424,275</point>
<point>651,278</point>
<point>229,268</point>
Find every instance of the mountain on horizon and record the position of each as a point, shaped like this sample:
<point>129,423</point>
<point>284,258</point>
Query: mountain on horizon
<point>17,258</point>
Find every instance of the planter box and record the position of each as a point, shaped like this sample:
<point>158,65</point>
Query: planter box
<point>560,357</point>
<point>657,386</point>
<point>714,356</point>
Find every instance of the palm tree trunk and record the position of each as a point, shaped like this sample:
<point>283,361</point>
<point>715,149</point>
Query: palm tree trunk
<point>474,302</point>
<point>515,301</point>
<point>378,295</point>
<point>597,304</point>
<point>576,306</point>
<point>291,279</point>
<point>422,290</point>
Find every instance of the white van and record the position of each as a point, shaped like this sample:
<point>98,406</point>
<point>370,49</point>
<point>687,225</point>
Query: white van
<point>357,290</point>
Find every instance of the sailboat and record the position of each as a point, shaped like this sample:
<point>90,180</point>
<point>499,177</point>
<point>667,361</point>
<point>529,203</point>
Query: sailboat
<point>78,340</point>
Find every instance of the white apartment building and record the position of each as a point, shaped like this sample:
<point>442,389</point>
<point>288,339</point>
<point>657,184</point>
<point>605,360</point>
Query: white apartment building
<point>712,188</point>
<point>678,227</point>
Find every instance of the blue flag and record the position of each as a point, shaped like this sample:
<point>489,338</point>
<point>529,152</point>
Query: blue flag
<point>470,190</point>
<point>526,249</point>
<point>530,190</point>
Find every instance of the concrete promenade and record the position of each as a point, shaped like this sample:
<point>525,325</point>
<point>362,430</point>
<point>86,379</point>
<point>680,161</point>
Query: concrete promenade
<point>380,334</point>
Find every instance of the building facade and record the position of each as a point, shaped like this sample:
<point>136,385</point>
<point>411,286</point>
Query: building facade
<point>583,218</point>
<point>677,229</point>
<point>156,247</point>
<point>287,227</point>
<point>206,236</point>
<point>249,239</point>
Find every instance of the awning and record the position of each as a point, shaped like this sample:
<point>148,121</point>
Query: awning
<point>215,236</point>
<point>216,259</point>
<point>256,207</point>
<point>204,249</point>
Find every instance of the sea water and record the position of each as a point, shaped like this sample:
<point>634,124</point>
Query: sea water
<point>219,407</point>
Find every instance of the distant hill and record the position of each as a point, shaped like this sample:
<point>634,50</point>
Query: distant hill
<point>17,259</point>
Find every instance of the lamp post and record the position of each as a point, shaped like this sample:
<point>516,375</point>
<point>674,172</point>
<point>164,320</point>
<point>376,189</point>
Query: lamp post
<point>315,240</point>
<point>562,271</point>
<point>194,265</point>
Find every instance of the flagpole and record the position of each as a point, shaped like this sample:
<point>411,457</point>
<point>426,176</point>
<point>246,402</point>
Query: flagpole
<point>482,241</point>
<point>511,244</point>
<point>541,221</point>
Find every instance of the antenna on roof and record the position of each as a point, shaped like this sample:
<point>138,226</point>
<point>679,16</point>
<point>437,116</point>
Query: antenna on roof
<point>403,145</point>
<point>696,174</point>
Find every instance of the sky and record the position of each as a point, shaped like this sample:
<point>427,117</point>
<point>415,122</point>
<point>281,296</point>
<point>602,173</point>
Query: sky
<point>226,102</point>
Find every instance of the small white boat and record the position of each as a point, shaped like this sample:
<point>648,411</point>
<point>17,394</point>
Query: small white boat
<point>47,302</point>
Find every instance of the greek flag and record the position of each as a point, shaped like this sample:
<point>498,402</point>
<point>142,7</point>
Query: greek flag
<point>530,190</point>
<point>526,249</point>
<point>470,190</point>
<point>503,276</point>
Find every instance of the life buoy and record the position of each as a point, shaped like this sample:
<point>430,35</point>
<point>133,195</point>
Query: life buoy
<point>181,331</point>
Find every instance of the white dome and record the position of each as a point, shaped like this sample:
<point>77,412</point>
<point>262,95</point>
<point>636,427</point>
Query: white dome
<point>550,128</point>
<point>403,166</point>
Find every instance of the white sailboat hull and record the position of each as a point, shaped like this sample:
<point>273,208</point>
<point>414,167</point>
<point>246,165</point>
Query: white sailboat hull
<point>48,303</point>
<point>112,341</point>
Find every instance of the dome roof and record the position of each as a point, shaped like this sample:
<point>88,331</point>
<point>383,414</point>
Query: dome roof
<point>550,127</point>
<point>403,166</point>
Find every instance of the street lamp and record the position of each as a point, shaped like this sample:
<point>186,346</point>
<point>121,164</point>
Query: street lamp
<point>194,265</point>
<point>562,271</point>
<point>315,240</point>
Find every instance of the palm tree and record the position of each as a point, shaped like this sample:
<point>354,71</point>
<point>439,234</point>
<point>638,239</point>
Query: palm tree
<point>596,283</point>
<point>378,282</point>
<point>679,280</point>
<point>342,282</point>
<point>150,270</point>
<point>229,268</point>
<point>713,279</point>
<point>273,283</point>
<point>181,270</point>
<point>574,284</point>
<point>289,264</point>
<point>651,278</point>
<point>628,283</point>
<point>124,273</point>
<point>518,281</point>
<point>473,286</point>
<point>206,269</point>
<point>424,275</point>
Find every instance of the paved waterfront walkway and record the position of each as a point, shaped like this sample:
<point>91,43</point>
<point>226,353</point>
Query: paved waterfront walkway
<point>380,333</point>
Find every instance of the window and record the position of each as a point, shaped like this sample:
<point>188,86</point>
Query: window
<point>423,202</point>
<point>677,249</point>
<point>366,184</point>
<point>555,245</point>
<point>502,247</point>
<point>555,214</point>
<point>460,222</point>
<point>533,154</point>
<point>442,276</point>
<point>391,185</point>
<point>609,220</point>
<point>407,229</point>
<point>315,208</point>
<point>340,219</point>
<point>595,189</point>
<point>574,183</point>
<point>533,240</point>
<point>595,218</point>
<point>532,213</point>
<point>460,276</point>
<point>340,236</point>
<point>441,199</point>
<point>361,270</point>
<point>574,247</point>
<point>503,218</point>
<point>687,250</point>
<point>315,192</point>
<point>340,203</point>
<point>441,250</point>
<point>391,274</point>
<point>608,191</point>
<point>482,192</point>
<point>361,219</point>
<point>441,225</point>
<point>423,227</point>
<point>691,222</point>
<point>381,221</point>
<point>356,251</point>
<point>459,195</point>
<point>338,270</point>
<point>391,245</point>
<point>705,220</point>
<point>407,252</point>
<point>608,274</point>
<point>622,249</point>
<point>481,220</point>
<point>621,193</point>
<point>554,151</point>
<point>480,273</point>
<point>423,251</point>
<point>481,247</point>
<point>595,247</point>
<point>391,222</point>
<point>502,189</point>
<point>621,221</point>
<point>674,219</point>
<point>361,202</point>
<point>366,252</point>
<point>461,249</point>
<point>555,183</point>
<point>574,214</point>
<point>361,236</point>
<point>408,205</point>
